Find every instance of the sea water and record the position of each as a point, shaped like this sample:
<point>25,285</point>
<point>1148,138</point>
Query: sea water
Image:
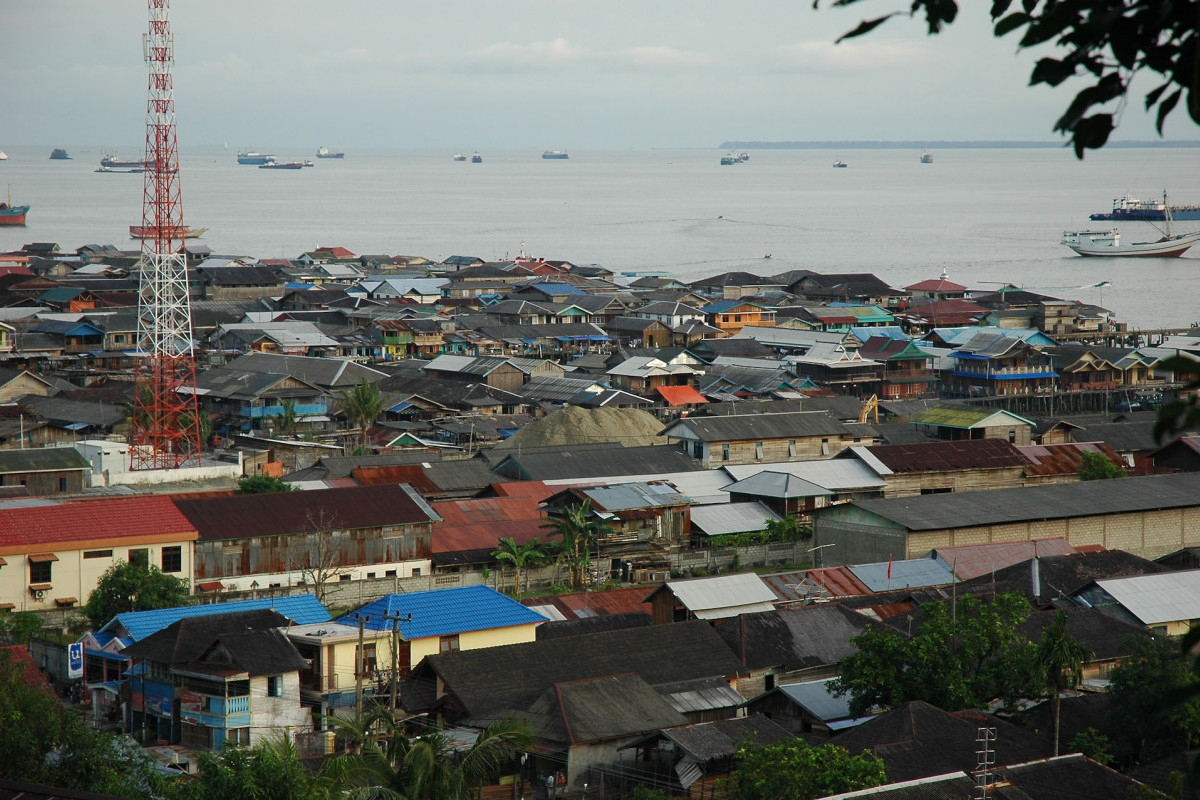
<point>985,217</point>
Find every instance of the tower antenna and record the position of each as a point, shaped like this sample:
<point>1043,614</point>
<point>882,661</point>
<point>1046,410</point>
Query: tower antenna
<point>166,419</point>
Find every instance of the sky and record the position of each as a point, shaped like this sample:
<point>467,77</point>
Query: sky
<point>513,74</point>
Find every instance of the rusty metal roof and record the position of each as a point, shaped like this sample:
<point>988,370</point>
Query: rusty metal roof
<point>1063,459</point>
<point>480,524</point>
<point>947,456</point>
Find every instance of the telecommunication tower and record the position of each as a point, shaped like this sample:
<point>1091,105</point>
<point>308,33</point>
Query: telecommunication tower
<point>166,419</point>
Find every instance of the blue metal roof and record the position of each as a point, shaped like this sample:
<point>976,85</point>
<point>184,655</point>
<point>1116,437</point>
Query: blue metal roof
<point>301,609</point>
<point>442,612</point>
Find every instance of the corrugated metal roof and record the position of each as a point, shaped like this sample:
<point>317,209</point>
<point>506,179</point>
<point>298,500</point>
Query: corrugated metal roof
<point>837,474</point>
<point>119,518</point>
<point>716,520</point>
<point>770,483</point>
<point>816,698</point>
<point>1058,501</point>
<point>724,596</point>
<point>629,496</point>
<point>1063,459</point>
<point>947,456</point>
<point>963,416</point>
<point>301,608</point>
<point>972,560</point>
<point>1155,599</point>
<point>681,395</point>
<point>442,612</point>
<point>906,574</point>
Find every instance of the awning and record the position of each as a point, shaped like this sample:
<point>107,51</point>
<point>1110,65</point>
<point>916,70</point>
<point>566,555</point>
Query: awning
<point>210,586</point>
<point>3,563</point>
<point>41,558</point>
<point>396,409</point>
<point>77,426</point>
<point>66,601</point>
<point>7,606</point>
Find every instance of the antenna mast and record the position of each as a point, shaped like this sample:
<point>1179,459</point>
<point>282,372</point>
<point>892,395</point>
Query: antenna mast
<point>166,420</point>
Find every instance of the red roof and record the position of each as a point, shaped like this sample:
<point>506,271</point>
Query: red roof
<point>336,252</point>
<point>31,676</point>
<point>537,489</point>
<point>938,285</point>
<point>681,395</point>
<point>600,604</point>
<point>480,524</point>
<point>413,474</point>
<point>27,529</point>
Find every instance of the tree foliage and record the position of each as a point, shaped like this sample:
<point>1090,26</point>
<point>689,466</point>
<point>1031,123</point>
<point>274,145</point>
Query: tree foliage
<point>1095,467</point>
<point>362,405</point>
<point>21,626</point>
<point>133,586</point>
<point>1060,661</point>
<point>579,529</point>
<point>961,656</point>
<point>1182,414</point>
<point>1106,44</point>
<point>262,484</point>
<point>1154,700</point>
<point>268,771</point>
<point>519,555</point>
<point>798,771</point>
<point>391,764</point>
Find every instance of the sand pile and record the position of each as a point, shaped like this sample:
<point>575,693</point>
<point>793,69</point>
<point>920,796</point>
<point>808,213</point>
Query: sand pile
<point>571,425</point>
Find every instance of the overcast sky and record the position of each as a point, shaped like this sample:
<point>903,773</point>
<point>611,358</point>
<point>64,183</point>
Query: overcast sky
<point>504,74</point>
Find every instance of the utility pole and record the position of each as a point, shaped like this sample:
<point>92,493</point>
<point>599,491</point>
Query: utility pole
<point>396,620</point>
<point>358,669</point>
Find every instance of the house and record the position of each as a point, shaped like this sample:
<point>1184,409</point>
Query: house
<point>211,681</point>
<point>469,531</point>
<point>844,370</point>
<point>309,538</point>
<point>1145,516</point>
<point>1166,603</point>
<point>730,316</point>
<point>410,626</point>
<point>941,466</point>
<point>244,401</point>
<point>716,598</point>
<point>974,422</point>
<point>531,680</point>
<point>998,366</point>
<point>45,471</point>
<point>16,383</point>
<point>908,372</point>
<point>809,709</point>
<point>782,492</point>
<point>51,556</point>
<point>753,438</point>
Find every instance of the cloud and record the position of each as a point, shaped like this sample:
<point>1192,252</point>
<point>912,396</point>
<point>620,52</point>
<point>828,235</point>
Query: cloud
<point>661,57</point>
<point>534,57</point>
<point>847,58</point>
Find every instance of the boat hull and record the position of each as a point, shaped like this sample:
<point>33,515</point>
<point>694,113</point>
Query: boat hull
<point>144,232</point>
<point>252,159</point>
<point>555,155</point>
<point>13,216</point>
<point>1107,244</point>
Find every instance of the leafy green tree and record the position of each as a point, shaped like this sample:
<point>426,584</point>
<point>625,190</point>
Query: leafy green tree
<point>1095,467</point>
<point>1108,43</point>
<point>391,764</point>
<point>41,742</point>
<point>1060,660</point>
<point>362,405</point>
<point>133,586</point>
<point>1182,414</point>
<point>268,771</point>
<point>1154,700</point>
<point>961,657</point>
<point>21,627</point>
<point>798,771</point>
<point>262,484</point>
<point>519,555</point>
<point>579,530</point>
<point>1093,744</point>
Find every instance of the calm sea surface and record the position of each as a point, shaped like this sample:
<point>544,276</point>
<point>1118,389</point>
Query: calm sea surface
<point>985,216</point>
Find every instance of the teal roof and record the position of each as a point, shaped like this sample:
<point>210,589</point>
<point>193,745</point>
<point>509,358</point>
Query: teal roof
<point>443,612</point>
<point>302,609</point>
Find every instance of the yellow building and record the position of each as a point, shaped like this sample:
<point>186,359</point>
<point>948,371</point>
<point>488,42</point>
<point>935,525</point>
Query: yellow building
<point>52,556</point>
<point>414,625</point>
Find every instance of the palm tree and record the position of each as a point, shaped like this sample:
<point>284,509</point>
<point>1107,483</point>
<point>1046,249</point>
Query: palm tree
<point>519,554</point>
<point>424,767</point>
<point>362,405</point>
<point>289,417</point>
<point>1060,661</point>
<point>579,530</point>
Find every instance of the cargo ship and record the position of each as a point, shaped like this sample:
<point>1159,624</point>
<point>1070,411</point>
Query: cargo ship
<point>58,154</point>
<point>1135,210</point>
<point>112,162</point>
<point>273,164</point>
<point>250,157</point>
<point>556,154</point>
<point>325,152</point>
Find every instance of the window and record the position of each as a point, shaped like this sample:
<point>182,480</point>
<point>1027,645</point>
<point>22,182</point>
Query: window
<point>758,453</point>
<point>791,448</point>
<point>62,484</point>
<point>369,663</point>
<point>39,571</point>
<point>274,686</point>
<point>1012,435</point>
<point>97,553</point>
<point>140,556</point>
<point>240,736</point>
<point>448,644</point>
<point>172,559</point>
<point>416,573</point>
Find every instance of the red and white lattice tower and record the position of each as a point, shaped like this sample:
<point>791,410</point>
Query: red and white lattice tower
<point>166,420</point>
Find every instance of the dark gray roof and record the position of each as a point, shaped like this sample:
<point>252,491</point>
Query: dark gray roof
<point>764,426</point>
<point>497,678</point>
<point>184,641</point>
<point>42,459</point>
<point>706,741</point>
<point>584,461</point>
<point>597,709</point>
<point>794,638</point>
<point>1057,501</point>
<point>58,411</point>
<point>325,372</point>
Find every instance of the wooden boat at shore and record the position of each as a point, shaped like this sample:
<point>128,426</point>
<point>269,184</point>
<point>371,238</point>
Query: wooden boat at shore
<point>1108,244</point>
<point>147,232</point>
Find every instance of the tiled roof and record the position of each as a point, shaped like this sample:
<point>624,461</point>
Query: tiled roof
<point>302,609</point>
<point>76,523</point>
<point>442,612</point>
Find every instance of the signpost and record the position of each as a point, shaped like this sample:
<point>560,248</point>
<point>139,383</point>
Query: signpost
<point>75,660</point>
